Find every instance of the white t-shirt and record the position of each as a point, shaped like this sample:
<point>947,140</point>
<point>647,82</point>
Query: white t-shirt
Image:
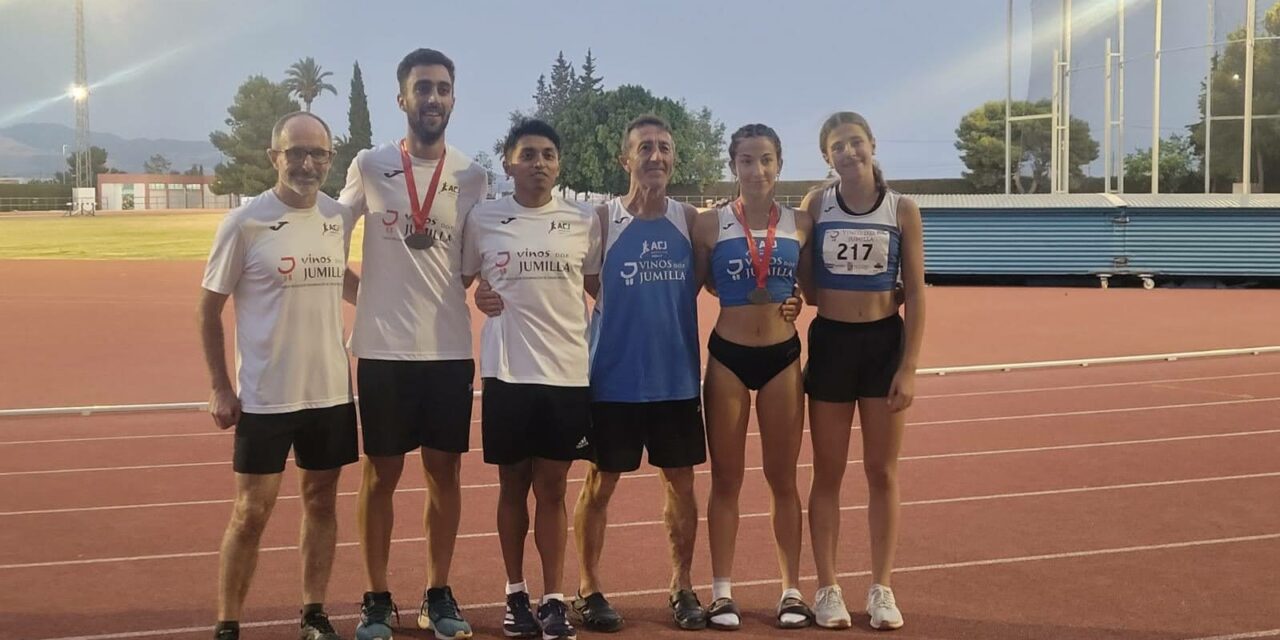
<point>411,304</point>
<point>535,259</point>
<point>283,268</point>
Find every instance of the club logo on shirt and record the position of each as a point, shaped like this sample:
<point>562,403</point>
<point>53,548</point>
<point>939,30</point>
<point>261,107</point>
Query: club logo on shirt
<point>740,268</point>
<point>316,270</point>
<point>506,221</point>
<point>389,217</point>
<point>445,187</point>
<point>622,220</point>
<point>397,227</point>
<point>829,209</point>
<point>561,227</point>
<point>726,227</point>
<point>533,264</point>
<point>391,174</point>
<point>332,229</point>
<point>658,248</point>
<point>279,225</point>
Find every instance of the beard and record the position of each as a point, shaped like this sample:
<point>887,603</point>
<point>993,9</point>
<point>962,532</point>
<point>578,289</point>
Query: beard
<point>426,133</point>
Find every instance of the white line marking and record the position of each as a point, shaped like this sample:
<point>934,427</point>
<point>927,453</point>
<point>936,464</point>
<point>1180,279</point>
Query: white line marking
<point>756,583</point>
<point>968,394</point>
<point>638,476</point>
<point>644,523</point>
<point>977,368</point>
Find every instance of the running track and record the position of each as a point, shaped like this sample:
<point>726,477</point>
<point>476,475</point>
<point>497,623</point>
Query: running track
<point>1120,501</point>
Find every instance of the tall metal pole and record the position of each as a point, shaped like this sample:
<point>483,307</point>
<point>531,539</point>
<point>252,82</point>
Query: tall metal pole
<point>1251,20</point>
<point>1208,101</point>
<point>1106,119</point>
<point>1008,98</point>
<point>1055,115</point>
<point>1155,104</point>
<point>1065,165</point>
<point>80,93</point>
<point>1120,98</point>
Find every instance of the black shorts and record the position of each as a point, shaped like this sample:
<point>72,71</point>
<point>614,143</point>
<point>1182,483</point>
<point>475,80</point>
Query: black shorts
<point>321,439</point>
<point>406,404</point>
<point>851,360</point>
<point>523,421</point>
<point>672,431</point>
<point>754,366</point>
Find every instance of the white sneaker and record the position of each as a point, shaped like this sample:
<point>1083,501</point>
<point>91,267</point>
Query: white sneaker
<point>882,608</point>
<point>829,611</point>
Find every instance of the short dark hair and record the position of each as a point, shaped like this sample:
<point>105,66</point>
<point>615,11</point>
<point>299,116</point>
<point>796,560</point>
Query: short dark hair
<point>278,129</point>
<point>422,58</point>
<point>754,131</point>
<point>645,120</point>
<point>529,127</point>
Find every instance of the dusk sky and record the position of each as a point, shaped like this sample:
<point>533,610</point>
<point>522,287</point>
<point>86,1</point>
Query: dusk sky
<point>913,67</point>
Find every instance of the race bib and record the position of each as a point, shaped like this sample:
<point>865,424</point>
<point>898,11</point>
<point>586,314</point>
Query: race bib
<point>857,252</point>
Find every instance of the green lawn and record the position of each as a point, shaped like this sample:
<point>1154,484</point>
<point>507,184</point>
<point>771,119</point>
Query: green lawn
<point>184,236</point>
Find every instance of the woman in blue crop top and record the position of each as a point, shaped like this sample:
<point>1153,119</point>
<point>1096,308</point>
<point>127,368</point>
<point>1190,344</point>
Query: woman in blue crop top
<point>751,250</point>
<point>862,354</point>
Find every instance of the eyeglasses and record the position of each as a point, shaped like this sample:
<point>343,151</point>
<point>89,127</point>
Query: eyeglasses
<point>298,155</point>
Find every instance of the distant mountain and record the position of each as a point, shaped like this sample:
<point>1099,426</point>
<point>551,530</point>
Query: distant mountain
<point>35,151</point>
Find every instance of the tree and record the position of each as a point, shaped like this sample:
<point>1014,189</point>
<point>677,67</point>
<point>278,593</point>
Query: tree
<point>258,104</point>
<point>564,84</point>
<point>591,126</point>
<point>980,140</point>
<point>97,165</point>
<point>306,80</point>
<point>1227,80</point>
<point>589,82</point>
<point>359,134</point>
<point>1178,170</point>
<point>156,164</point>
<point>485,160</point>
<point>195,170</point>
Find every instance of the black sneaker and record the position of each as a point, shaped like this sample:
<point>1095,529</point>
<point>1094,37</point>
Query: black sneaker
<point>375,617</point>
<point>595,613</point>
<point>687,611</point>
<point>315,626</point>
<point>553,617</point>
<point>227,633</point>
<point>519,621</point>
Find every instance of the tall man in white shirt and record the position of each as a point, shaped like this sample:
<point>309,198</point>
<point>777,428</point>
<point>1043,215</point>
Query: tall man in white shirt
<point>412,335</point>
<point>282,256</point>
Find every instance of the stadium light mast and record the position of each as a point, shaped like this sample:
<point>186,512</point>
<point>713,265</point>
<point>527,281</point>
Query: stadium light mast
<point>80,95</point>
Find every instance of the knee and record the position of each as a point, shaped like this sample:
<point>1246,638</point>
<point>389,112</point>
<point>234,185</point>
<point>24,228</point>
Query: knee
<point>250,517</point>
<point>881,476</point>
<point>320,502</point>
<point>549,487</point>
<point>680,486</point>
<point>382,476</point>
<point>444,474</point>
<point>781,480</point>
<point>598,489</point>
<point>725,480</point>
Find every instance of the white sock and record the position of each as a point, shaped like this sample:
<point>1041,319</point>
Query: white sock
<point>552,596</point>
<point>516,588</point>
<point>723,588</point>
<point>791,618</point>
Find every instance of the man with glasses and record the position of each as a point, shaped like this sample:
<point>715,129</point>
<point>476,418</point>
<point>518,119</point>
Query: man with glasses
<point>412,336</point>
<point>282,257</point>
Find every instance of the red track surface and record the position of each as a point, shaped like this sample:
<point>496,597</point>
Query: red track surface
<point>1124,501</point>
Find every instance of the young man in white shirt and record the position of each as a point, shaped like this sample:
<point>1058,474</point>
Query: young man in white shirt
<point>282,256</point>
<point>412,336</point>
<point>540,253</point>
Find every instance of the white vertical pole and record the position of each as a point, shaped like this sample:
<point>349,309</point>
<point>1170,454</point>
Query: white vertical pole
<point>1106,119</point>
<point>1008,98</point>
<point>1208,102</point>
<point>1155,104</point>
<point>1066,98</point>
<point>1251,20</point>
<point>1120,99</point>
<point>1054,155</point>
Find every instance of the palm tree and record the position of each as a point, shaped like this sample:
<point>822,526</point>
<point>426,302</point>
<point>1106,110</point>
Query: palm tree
<point>306,80</point>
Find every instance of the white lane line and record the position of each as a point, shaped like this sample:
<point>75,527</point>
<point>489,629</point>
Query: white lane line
<point>645,523</point>
<point>639,476</point>
<point>756,583</point>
